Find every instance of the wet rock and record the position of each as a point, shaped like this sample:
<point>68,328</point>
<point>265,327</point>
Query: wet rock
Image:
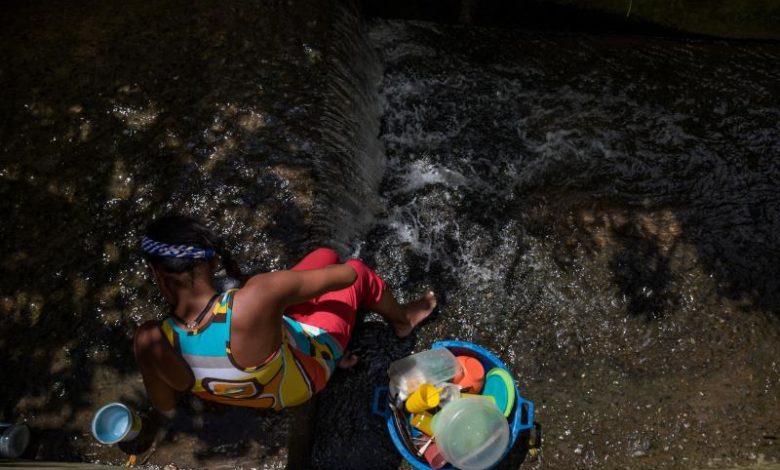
<point>639,446</point>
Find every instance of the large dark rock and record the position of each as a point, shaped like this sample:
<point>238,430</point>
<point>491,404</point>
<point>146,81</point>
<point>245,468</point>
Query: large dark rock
<point>758,19</point>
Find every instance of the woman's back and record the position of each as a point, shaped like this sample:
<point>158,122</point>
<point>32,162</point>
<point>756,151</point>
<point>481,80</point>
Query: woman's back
<point>299,367</point>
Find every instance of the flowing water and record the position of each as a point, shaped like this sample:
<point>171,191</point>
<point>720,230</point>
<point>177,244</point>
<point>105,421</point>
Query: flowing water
<point>599,211</point>
<point>602,212</point>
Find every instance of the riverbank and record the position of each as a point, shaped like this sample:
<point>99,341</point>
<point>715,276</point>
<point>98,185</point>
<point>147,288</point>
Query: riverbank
<point>599,210</point>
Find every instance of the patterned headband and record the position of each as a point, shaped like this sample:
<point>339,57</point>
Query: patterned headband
<point>156,248</point>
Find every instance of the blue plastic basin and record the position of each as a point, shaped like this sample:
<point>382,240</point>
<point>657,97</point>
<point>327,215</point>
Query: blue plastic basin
<point>520,419</point>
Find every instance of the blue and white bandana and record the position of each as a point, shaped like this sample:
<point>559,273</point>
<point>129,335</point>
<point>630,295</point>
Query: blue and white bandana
<point>156,248</point>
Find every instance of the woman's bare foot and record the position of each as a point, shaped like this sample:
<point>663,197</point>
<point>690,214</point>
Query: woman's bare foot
<point>412,314</point>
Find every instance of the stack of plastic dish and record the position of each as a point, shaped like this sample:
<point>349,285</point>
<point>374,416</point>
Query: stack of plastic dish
<point>450,425</point>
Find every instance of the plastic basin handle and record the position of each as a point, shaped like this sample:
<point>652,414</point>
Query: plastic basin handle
<point>379,402</point>
<point>529,417</point>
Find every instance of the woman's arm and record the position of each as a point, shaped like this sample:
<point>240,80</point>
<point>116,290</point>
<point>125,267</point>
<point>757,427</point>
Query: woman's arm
<point>163,371</point>
<point>285,288</point>
<point>255,329</point>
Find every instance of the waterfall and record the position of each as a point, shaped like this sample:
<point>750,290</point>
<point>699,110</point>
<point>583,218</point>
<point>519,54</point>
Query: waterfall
<point>352,161</point>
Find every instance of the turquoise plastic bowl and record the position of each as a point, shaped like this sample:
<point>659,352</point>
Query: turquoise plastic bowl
<point>521,418</point>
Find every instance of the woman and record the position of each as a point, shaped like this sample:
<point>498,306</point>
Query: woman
<point>270,344</point>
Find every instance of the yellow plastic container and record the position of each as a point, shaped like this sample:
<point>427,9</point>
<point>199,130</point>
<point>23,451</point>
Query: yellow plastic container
<point>423,421</point>
<point>474,395</point>
<point>424,398</point>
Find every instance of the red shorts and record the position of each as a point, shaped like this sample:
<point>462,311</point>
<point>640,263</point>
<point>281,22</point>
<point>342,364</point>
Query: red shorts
<point>336,311</point>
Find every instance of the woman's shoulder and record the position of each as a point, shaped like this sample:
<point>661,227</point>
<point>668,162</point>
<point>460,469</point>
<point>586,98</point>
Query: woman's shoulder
<point>266,286</point>
<point>258,284</point>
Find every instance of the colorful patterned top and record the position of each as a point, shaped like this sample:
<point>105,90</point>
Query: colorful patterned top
<point>297,370</point>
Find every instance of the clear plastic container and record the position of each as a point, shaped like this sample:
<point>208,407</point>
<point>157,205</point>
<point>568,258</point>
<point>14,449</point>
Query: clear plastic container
<point>432,367</point>
<point>471,433</point>
<point>449,392</point>
<point>13,439</point>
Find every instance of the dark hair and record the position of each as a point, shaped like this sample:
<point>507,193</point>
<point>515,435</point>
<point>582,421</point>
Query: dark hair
<point>182,230</point>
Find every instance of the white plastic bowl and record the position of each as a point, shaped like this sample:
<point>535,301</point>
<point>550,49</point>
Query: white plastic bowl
<point>471,433</point>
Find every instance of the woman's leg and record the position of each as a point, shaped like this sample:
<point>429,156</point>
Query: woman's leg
<point>405,317</point>
<point>318,258</point>
<point>336,311</point>
<point>374,295</point>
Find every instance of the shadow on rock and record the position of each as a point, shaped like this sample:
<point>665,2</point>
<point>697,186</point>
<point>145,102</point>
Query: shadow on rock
<point>348,434</point>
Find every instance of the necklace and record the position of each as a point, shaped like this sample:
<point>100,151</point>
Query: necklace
<point>191,326</point>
